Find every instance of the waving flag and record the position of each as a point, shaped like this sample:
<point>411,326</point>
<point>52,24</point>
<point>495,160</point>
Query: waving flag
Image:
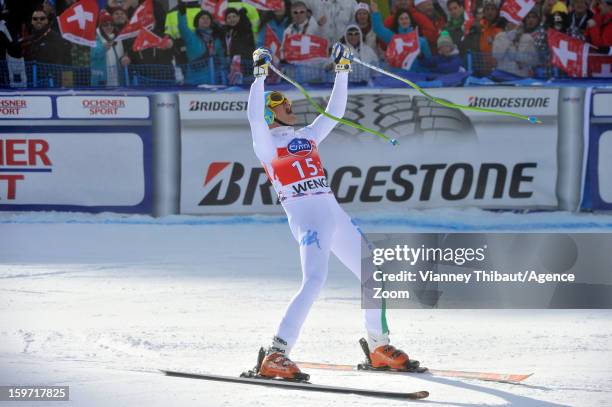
<point>208,5</point>
<point>516,10</point>
<point>300,48</point>
<point>403,49</point>
<point>142,18</point>
<point>600,66</point>
<point>468,17</point>
<point>568,53</point>
<point>219,11</point>
<point>272,42</point>
<point>146,39</point>
<point>265,4</point>
<point>78,23</point>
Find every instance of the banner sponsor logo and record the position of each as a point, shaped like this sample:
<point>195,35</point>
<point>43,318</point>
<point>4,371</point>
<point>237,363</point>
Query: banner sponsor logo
<point>509,102</point>
<point>237,184</point>
<point>216,106</point>
<point>29,107</point>
<point>299,147</point>
<point>116,107</point>
<point>82,169</point>
<point>18,158</point>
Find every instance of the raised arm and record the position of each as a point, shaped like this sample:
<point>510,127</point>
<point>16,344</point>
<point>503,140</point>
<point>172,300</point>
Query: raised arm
<point>262,139</point>
<point>322,125</point>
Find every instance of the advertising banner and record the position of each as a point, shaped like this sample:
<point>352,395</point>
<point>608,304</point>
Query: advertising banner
<point>445,157</point>
<point>103,107</point>
<point>67,159</point>
<point>25,107</point>
<point>75,167</point>
<point>597,191</point>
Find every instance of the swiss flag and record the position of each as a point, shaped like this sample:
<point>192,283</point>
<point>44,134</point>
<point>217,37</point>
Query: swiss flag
<point>403,49</point>
<point>272,42</point>
<point>219,11</point>
<point>142,18</point>
<point>265,4</point>
<point>78,23</point>
<point>567,53</point>
<point>146,39</point>
<point>208,5</point>
<point>304,48</point>
<point>468,17</point>
<point>516,10</point>
<point>600,66</point>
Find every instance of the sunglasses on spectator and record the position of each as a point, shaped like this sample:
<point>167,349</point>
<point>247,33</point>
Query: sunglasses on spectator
<point>296,12</point>
<point>352,33</point>
<point>39,18</point>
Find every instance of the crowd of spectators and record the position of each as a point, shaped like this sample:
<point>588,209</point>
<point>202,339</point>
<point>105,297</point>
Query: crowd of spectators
<point>208,50</point>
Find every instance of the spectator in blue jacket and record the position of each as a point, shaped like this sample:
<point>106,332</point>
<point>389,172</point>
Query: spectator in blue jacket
<point>105,56</point>
<point>448,59</point>
<point>402,24</point>
<point>204,48</point>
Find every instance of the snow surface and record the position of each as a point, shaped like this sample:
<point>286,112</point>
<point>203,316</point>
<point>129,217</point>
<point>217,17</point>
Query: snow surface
<point>100,302</point>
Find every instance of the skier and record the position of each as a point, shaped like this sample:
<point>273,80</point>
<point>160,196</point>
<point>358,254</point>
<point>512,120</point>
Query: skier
<point>291,160</point>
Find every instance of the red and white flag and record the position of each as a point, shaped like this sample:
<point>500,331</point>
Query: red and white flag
<point>600,66</point>
<point>304,48</point>
<point>79,22</point>
<point>567,53</point>
<point>272,42</point>
<point>468,17</point>
<point>265,4</point>
<point>146,39</point>
<point>219,11</point>
<point>208,5</point>
<point>403,49</point>
<point>142,18</point>
<point>516,10</point>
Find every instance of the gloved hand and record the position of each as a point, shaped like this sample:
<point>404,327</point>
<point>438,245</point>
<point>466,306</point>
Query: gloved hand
<point>342,57</point>
<point>261,61</point>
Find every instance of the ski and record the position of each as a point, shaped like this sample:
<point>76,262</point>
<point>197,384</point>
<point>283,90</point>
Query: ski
<point>487,376</point>
<point>298,385</point>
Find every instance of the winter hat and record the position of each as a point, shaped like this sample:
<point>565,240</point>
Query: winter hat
<point>445,40</point>
<point>559,7</point>
<point>104,17</point>
<point>364,6</point>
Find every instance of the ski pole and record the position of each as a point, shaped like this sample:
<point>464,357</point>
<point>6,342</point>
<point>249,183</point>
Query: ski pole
<point>531,119</point>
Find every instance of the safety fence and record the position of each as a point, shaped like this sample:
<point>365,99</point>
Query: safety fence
<point>221,71</point>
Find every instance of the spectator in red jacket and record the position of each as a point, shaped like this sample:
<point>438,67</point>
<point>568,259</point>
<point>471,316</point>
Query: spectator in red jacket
<point>430,19</point>
<point>599,31</point>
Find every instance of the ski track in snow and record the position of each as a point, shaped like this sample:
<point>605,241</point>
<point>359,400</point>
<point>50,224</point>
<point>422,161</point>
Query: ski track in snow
<point>100,302</point>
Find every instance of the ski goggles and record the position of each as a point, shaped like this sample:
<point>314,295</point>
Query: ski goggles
<point>276,99</point>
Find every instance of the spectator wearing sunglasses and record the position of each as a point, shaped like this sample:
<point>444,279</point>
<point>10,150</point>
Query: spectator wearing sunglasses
<point>44,45</point>
<point>353,38</point>
<point>302,22</point>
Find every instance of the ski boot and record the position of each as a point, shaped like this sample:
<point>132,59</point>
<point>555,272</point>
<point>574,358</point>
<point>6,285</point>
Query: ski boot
<point>274,364</point>
<point>387,357</point>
